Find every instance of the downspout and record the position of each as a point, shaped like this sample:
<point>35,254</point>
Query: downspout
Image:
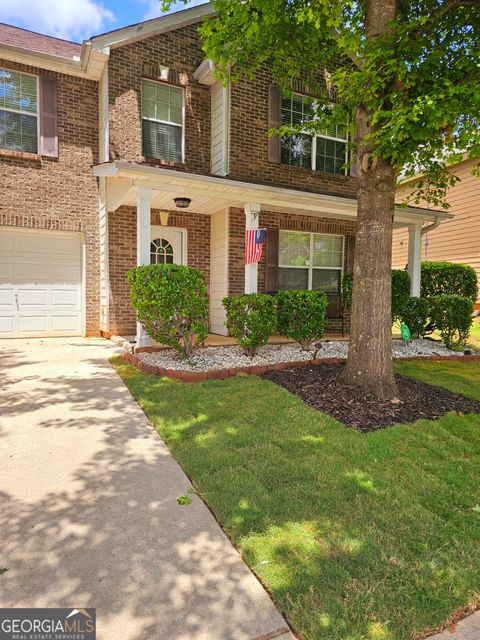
<point>429,227</point>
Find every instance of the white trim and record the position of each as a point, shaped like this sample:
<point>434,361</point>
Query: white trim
<point>103,118</point>
<point>236,193</point>
<point>149,28</point>
<point>83,284</point>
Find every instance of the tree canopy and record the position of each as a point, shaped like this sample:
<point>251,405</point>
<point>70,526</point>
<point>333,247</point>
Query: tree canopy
<point>420,79</point>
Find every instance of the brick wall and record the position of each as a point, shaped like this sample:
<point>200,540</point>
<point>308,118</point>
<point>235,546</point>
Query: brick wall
<point>278,220</point>
<point>180,50</point>
<point>60,193</point>
<point>123,256</point>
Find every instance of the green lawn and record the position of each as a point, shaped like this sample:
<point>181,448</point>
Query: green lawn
<point>356,536</point>
<point>474,338</point>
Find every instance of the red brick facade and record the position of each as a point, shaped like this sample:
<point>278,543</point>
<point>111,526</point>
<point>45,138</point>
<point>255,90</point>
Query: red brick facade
<point>60,193</point>
<point>123,256</point>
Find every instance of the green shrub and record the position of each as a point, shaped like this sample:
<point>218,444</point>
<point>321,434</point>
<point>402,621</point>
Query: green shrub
<point>251,319</point>
<point>438,278</point>
<point>415,314</point>
<point>452,316</point>
<point>401,284</point>
<point>171,302</point>
<point>302,315</point>
<point>400,291</point>
<point>347,286</point>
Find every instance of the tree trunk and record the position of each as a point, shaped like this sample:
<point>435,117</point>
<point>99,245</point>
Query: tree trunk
<point>369,363</point>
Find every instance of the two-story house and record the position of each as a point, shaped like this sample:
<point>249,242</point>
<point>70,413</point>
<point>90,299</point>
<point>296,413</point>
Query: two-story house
<point>128,150</point>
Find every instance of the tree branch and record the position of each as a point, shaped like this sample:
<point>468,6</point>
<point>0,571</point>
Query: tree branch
<point>447,7</point>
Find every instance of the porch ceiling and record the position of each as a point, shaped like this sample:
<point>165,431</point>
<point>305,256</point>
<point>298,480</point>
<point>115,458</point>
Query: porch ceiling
<point>211,194</point>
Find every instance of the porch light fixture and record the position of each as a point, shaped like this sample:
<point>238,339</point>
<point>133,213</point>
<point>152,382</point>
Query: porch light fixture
<point>182,203</point>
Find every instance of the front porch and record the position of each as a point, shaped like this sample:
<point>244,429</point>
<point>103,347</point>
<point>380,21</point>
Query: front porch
<point>310,237</point>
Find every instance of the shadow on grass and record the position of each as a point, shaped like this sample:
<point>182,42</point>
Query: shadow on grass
<point>356,536</point>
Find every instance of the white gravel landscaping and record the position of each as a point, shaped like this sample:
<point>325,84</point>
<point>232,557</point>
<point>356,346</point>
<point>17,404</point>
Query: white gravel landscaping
<point>208,358</point>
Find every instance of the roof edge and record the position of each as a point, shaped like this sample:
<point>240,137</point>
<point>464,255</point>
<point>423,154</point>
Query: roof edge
<point>148,28</point>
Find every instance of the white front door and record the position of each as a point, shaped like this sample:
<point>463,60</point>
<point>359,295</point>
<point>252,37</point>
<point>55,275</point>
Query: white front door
<point>167,246</point>
<point>40,283</point>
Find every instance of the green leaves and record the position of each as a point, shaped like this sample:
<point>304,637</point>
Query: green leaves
<point>251,319</point>
<point>171,302</point>
<point>302,315</point>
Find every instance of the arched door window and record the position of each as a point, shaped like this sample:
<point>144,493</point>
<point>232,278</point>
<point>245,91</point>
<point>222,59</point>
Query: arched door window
<point>161,252</point>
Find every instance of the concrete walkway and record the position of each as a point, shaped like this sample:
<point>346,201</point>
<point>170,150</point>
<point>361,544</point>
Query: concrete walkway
<point>88,510</point>
<point>466,629</point>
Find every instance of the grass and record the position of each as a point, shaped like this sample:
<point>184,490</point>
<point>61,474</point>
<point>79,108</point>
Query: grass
<point>357,537</point>
<point>474,338</point>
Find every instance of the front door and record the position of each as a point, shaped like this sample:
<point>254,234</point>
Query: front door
<point>167,246</point>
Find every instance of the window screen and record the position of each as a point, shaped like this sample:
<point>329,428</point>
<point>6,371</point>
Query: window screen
<point>18,111</point>
<point>162,121</point>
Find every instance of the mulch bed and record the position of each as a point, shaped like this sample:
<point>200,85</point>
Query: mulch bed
<point>322,388</point>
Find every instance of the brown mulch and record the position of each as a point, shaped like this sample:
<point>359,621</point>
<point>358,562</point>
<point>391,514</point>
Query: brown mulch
<point>322,388</point>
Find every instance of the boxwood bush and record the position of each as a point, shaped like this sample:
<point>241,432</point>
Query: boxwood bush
<point>251,319</point>
<point>302,315</point>
<point>438,278</point>
<point>400,291</point>
<point>171,302</point>
<point>415,314</point>
<point>452,317</point>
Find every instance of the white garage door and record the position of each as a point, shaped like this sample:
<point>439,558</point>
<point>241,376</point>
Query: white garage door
<point>40,284</point>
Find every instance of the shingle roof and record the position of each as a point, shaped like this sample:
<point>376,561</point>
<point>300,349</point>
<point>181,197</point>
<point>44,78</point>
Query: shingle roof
<point>32,41</point>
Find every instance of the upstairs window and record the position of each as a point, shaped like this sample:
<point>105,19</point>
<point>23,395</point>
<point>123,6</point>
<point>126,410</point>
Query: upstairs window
<point>325,151</point>
<point>18,111</point>
<point>310,261</point>
<point>162,121</point>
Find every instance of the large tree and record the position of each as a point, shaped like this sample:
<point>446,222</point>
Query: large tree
<point>408,74</point>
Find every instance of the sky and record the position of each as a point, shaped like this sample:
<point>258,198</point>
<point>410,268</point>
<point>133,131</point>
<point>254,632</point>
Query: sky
<point>78,20</point>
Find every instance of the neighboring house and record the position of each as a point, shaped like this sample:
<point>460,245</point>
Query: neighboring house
<point>458,239</point>
<point>127,150</point>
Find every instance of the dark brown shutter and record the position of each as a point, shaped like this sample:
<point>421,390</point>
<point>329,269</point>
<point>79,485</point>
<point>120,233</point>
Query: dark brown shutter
<point>350,249</point>
<point>48,117</point>
<point>271,261</point>
<point>274,121</point>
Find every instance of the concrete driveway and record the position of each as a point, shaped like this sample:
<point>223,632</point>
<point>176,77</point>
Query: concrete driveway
<point>88,510</point>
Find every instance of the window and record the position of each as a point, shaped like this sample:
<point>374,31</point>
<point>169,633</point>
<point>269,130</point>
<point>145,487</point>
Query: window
<point>161,252</point>
<point>326,151</point>
<point>310,261</point>
<point>18,111</point>
<point>162,121</point>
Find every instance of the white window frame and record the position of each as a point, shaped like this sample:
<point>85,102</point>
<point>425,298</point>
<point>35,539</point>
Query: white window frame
<point>313,158</point>
<point>310,266</point>
<point>28,113</point>
<point>174,124</point>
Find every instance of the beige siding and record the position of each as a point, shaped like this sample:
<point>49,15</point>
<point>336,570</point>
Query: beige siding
<point>456,240</point>
<point>220,122</point>
<point>218,270</point>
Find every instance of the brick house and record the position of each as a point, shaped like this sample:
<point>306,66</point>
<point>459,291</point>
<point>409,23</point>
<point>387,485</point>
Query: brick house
<point>126,150</point>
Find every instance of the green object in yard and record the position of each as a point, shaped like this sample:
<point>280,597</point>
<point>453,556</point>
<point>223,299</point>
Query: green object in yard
<point>405,332</point>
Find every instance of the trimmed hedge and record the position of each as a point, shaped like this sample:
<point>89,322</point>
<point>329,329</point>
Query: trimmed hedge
<point>415,314</point>
<point>251,319</point>
<point>438,278</point>
<point>302,315</point>
<point>452,317</point>
<point>400,291</point>
<point>171,302</point>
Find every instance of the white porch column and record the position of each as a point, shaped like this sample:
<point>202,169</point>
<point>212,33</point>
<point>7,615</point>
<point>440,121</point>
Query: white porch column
<point>144,205</point>
<point>252,213</point>
<point>415,257</point>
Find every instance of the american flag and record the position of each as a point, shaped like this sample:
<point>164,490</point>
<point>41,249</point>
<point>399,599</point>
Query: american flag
<point>254,241</point>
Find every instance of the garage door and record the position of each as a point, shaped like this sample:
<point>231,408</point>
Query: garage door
<point>40,284</point>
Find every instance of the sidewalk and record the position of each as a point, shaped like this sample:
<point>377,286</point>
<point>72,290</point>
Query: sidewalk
<point>88,509</point>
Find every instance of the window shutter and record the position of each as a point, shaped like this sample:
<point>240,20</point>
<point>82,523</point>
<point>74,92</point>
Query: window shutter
<point>48,117</point>
<point>274,121</point>
<point>350,247</point>
<point>271,261</point>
